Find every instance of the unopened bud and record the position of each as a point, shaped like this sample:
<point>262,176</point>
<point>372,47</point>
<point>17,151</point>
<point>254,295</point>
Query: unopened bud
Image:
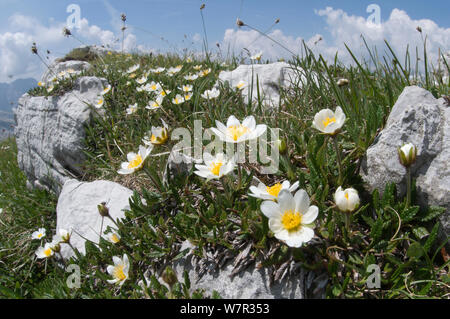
<point>407,154</point>
<point>66,32</point>
<point>123,17</point>
<point>202,6</point>
<point>419,29</point>
<point>103,210</point>
<point>34,48</point>
<point>342,82</point>
<point>169,276</point>
<point>239,22</point>
<point>277,20</point>
<point>281,146</point>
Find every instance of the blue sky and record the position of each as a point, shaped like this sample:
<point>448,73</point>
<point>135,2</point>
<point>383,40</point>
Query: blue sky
<point>26,20</point>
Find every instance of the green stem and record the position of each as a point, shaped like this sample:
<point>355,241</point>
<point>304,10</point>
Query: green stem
<point>338,155</point>
<point>408,187</point>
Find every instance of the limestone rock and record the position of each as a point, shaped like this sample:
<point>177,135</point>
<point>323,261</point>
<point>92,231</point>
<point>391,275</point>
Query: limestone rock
<point>272,79</point>
<point>419,118</point>
<point>58,67</point>
<point>77,209</point>
<point>251,283</point>
<point>50,131</point>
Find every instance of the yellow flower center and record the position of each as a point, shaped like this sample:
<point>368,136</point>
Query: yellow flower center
<point>237,131</point>
<point>118,272</point>
<point>274,190</point>
<point>328,121</point>
<point>240,85</point>
<point>136,162</point>
<point>100,102</point>
<point>346,195</point>
<point>48,252</point>
<point>291,220</point>
<point>115,239</point>
<point>215,168</point>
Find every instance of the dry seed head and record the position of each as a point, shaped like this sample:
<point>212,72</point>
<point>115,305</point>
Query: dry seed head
<point>239,22</point>
<point>66,32</point>
<point>34,48</point>
<point>123,17</point>
<point>277,20</point>
<point>202,6</point>
<point>419,29</point>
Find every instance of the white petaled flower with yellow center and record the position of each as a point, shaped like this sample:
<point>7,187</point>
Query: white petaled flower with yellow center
<point>173,71</point>
<point>407,154</point>
<point>135,161</point>
<point>186,88</point>
<point>44,252</point>
<point>132,109</point>
<point>241,85</point>
<point>113,237</point>
<point>178,99</point>
<point>106,89</point>
<point>272,192</point>
<point>133,69</point>
<point>204,72</point>
<point>65,235</point>
<point>41,84</point>
<point>162,92</point>
<point>119,271</point>
<point>153,87</point>
<point>214,167</point>
<point>257,56</point>
<point>291,218</point>
<point>156,104</point>
<point>142,80</point>
<point>188,60</point>
<point>197,67</point>
<point>158,70</point>
<point>188,96</point>
<point>99,103</point>
<point>329,122</point>
<point>39,234</point>
<point>191,77</point>
<point>235,132</point>
<point>50,88</point>
<point>211,94</point>
<point>158,135</point>
<point>346,200</point>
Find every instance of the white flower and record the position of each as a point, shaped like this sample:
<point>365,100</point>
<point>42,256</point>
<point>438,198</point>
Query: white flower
<point>106,89</point>
<point>197,67</point>
<point>50,88</point>
<point>99,103</point>
<point>44,252</point>
<point>346,200</point>
<point>135,161</point>
<point>133,68</point>
<point>407,154</point>
<point>162,92</point>
<point>152,87</point>
<point>191,77</point>
<point>211,94</point>
<point>214,167</point>
<point>157,70</point>
<point>119,270</point>
<point>256,56</point>
<point>235,132</point>
<point>65,235</point>
<point>41,84</point>
<point>173,71</point>
<point>204,72</point>
<point>159,135</point>
<point>132,108</point>
<point>55,243</point>
<point>113,237</point>
<point>142,80</point>
<point>186,88</point>
<point>241,85</point>
<point>329,122</point>
<point>291,218</point>
<point>188,96</point>
<point>156,104</point>
<point>39,234</point>
<point>178,99</point>
<point>272,192</point>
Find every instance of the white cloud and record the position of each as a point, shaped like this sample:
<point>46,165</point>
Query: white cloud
<point>15,44</point>
<point>399,30</point>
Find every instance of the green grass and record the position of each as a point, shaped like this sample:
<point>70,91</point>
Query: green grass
<point>220,217</point>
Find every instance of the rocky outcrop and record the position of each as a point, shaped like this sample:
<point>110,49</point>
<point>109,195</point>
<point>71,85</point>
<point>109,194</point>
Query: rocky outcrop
<point>57,68</point>
<point>77,209</point>
<point>250,283</point>
<point>50,130</point>
<point>272,78</point>
<point>417,117</point>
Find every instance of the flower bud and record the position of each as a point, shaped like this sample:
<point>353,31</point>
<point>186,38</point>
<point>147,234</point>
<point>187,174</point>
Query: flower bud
<point>342,82</point>
<point>407,154</point>
<point>103,210</point>
<point>169,276</point>
<point>239,22</point>
<point>346,200</point>
<point>281,146</point>
<point>202,6</point>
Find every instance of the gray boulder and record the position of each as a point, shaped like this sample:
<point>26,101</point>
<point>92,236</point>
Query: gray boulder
<point>419,118</point>
<point>250,283</point>
<point>50,131</point>
<point>272,79</point>
<point>77,209</point>
<point>57,67</point>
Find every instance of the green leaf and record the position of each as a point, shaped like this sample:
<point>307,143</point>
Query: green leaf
<point>420,232</point>
<point>415,250</point>
<point>431,238</point>
<point>409,213</point>
<point>432,212</point>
